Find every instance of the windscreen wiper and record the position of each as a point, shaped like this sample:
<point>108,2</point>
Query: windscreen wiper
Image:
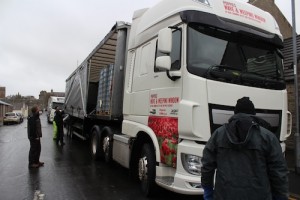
<point>261,80</point>
<point>223,73</point>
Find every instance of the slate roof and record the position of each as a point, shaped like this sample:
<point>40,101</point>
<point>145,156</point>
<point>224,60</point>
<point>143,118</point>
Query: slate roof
<point>4,103</point>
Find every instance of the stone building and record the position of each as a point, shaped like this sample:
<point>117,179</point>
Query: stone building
<point>44,96</point>
<point>289,77</point>
<point>269,5</point>
<point>2,92</point>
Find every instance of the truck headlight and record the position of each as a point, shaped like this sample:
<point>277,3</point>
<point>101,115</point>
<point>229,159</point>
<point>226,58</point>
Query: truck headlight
<point>191,163</point>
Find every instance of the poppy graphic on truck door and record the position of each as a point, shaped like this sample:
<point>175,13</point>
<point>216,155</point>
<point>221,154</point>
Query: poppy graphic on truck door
<point>166,130</point>
<point>163,120</point>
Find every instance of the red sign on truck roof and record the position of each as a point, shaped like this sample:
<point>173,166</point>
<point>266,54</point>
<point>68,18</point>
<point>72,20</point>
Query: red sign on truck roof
<point>232,9</point>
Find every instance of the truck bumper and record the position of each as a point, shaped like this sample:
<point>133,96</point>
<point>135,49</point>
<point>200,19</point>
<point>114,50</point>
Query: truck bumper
<point>183,185</point>
<point>182,181</point>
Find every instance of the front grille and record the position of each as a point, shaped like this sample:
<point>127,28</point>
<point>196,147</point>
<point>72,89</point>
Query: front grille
<point>220,115</point>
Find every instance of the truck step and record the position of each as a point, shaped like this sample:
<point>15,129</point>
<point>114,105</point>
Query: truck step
<point>78,135</point>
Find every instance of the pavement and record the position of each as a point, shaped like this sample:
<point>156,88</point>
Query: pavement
<point>294,178</point>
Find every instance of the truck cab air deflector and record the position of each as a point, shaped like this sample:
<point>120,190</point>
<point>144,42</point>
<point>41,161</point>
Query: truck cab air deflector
<point>213,20</point>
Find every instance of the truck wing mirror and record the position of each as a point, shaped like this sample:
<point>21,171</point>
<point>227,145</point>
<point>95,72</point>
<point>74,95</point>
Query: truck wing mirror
<point>163,62</point>
<point>165,40</point>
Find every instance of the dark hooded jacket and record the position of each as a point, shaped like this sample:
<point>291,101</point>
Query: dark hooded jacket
<point>58,118</point>
<point>248,162</point>
<point>34,128</point>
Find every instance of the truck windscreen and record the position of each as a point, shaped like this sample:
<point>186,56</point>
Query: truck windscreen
<point>59,104</point>
<point>234,58</point>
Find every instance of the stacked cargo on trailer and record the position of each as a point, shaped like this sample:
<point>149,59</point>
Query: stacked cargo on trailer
<point>152,92</point>
<point>94,91</point>
<point>104,91</point>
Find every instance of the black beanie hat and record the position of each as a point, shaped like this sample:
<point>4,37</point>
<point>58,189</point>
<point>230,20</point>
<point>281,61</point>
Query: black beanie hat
<point>244,105</point>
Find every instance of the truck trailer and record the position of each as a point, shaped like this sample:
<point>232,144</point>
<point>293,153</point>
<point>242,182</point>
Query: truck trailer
<point>152,92</point>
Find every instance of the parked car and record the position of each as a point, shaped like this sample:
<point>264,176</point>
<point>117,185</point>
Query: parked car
<point>21,117</point>
<point>11,117</point>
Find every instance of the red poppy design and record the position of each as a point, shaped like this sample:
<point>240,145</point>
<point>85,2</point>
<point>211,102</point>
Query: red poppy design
<point>166,130</point>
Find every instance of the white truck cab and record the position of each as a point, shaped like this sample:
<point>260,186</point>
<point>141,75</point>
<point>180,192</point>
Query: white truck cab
<point>188,63</point>
<point>54,101</point>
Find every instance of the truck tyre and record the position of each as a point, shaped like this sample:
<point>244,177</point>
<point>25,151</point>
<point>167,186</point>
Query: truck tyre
<point>96,150</point>
<point>146,170</point>
<point>107,148</point>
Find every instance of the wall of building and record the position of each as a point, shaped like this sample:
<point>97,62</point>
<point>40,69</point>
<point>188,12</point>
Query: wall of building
<point>44,96</point>
<point>289,77</point>
<point>4,108</point>
<point>270,6</point>
<point>292,106</point>
<point>2,92</point>
<point>23,110</point>
<point>287,32</point>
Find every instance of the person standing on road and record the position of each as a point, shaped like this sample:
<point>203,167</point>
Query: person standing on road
<point>34,131</point>
<point>247,159</point>
<point>58,118</point>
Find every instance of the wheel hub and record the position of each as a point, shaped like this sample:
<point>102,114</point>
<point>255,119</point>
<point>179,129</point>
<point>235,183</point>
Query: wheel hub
<point>94,145</point>
<point>105,144</point>
<point>143,168</point>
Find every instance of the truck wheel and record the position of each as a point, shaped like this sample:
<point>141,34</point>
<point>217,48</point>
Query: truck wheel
<point>96,150</point>
<point>146,170</point>
<point>107,148</point>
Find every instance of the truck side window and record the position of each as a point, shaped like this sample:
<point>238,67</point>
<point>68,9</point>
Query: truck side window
<point>175,53</point>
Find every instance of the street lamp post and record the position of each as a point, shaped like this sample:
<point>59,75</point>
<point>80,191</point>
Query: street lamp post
<point>296,136</point>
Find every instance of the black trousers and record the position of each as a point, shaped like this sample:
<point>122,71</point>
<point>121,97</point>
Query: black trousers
<point>60,134</point>
<point>35,151</point>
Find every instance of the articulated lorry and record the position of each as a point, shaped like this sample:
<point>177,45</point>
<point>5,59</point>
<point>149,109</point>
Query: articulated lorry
<point>152,92</point>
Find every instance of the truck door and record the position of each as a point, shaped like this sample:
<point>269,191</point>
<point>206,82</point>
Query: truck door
<point>151,86</point>
<point>158,96</point>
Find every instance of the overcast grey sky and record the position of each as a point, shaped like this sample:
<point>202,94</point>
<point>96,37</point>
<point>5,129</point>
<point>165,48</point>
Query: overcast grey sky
<point>43,41</point>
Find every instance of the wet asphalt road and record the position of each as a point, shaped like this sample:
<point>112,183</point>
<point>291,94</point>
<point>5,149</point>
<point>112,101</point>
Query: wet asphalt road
<point>69,172</point>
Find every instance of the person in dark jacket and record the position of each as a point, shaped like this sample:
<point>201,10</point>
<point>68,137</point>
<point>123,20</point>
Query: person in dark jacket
<point>34,131</point>
<point>58,118</point>
<point>247,159</point>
